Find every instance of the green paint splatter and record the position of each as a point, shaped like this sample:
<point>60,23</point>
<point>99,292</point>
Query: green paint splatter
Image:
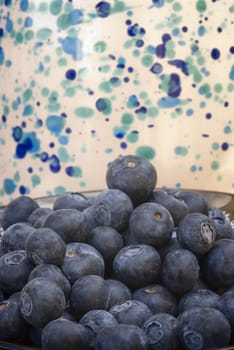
<point>29,35</point>
<point>59,190</point>
<point>27,95</point>
<point>45,92</point>
<point>19,38</point>
<point>153,112</point>
<point>177,6</point>
<point>214,165</point>
<point>132,137</point>
<point>181,151</point>
<point>147,60</point>
<point>127,119</point>
<point>105,86</point>
<point>55,7</point>
<point>62,62</point>
<point>63,155</point>
<point>201,6</point>
<point>76,171</point>
<point>43,7</point>
<point>44,33</point>
<point>84,112</point>
<point>63,21</point>
<point>218,88</point>
<point>147,152</point>
<point>100,46</point>
<point>36,180</point>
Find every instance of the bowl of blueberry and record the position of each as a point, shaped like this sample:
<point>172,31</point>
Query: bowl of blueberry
<point>131,267</point>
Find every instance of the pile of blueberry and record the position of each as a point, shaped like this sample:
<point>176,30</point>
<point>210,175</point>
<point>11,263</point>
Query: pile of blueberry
<point>134,267</point>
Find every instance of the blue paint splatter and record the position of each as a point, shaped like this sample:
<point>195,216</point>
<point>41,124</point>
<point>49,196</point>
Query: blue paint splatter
<point>71,74</point>
<point>63,140</point>
<point>231,74</point>
<point>23,190</point>
<point>55,124</point>
<point>133,30</point>
<point>28,22</point>
<point>156,68</point>
<point>2,55</point>
<point>30,144</point>
<point>215,53</point>
<point>158,3</point>
<point>9,186</point>
<point>160,51</point>
<point>75,17</point>
<point>54,164</point>
<point>201,30</point>
<point>166,37</point>
<point>103,9</point>
<point>182,65</point>
<point>168,102</point>
<point>72,46</point>
<point>121,63</point>
<point>17,133</point>
<point>28,109</point>
<point>9,24</point>
<point>141,110</point>
<point>133,101</point>
<point>174,88</point>
<point>24,5</point>
<point>1,32</point>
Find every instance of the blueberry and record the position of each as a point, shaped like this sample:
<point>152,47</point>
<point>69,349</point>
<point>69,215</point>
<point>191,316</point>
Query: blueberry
<point>98,319</point>
<point>55,274</point>
<point>172,245</point>
<point>198,298</point>
<point>222,225</point>
<point>108,242</point>
<point>63,334</point>
<point>82,259</point>
<point>137,265</point>
<point>41,300</point>
<point>177,208</point>
<point>117,292</point>
<point>195,202</point>
<point>196,232</point>
<point>70,224</point>
<point>71,200</point>
<point>37,217</point>
<point>1,296</point>
<point>89,292</point>
<point>112,208</point>
<point>121,337</point>
<point>217,266</point>
<point>203,328</point>
<point>45,246</point>
<point>131,312</point>
<point>133,175</point>
<point>180,271</point>
<point>226,306</point>
<point>14,237</point>
<point>13,326</point>
<point>158,298</point>
<point>151,223</point>
<point>161,332</point>
<point>18,210</point>
<point>15,268</point>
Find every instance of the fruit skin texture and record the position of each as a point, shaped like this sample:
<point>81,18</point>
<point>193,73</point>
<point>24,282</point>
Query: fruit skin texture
<point>217,265</point>
<point>131,312</point>
<point>45,246</point>
<point>203,328</point>
<point>222,224</point>
<point>133,175</point>
<point>121,337</point>
<point>151,223</point>
<point>177,208</point>
<point>226,306</point>
<point>161,331</point>
<point>18,210</point>
<point>15,268</point>
<point>15,236</point>
<point>53,273</point>
<point>198,298</point>
<point>41,300</point>
<point>12,324</point>
<point>82,259</point>
<point>69,224</point>
<point>197,233</point>
<point>137,265</point>
<point>195,202</point>
<point>97,320</point>
<point>158,298</point>
<point>180,271</point>
<point>88,293</point>
<point>62,334</point>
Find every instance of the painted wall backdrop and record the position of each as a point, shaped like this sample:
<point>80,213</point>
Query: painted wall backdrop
<point>84,81</point>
